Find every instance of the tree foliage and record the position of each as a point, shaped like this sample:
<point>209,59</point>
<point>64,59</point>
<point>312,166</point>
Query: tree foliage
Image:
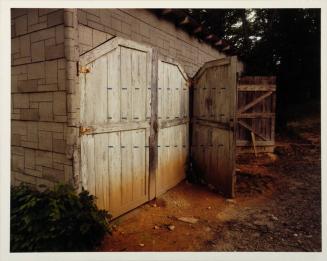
<point>281,42</point>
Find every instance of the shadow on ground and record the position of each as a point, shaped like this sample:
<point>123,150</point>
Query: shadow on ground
<point>276,208</point>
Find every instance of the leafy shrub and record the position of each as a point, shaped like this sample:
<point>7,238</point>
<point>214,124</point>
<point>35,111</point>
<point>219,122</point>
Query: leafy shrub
<point>55,220</point>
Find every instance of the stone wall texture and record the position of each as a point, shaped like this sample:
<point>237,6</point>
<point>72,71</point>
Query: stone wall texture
<point>46,44</point>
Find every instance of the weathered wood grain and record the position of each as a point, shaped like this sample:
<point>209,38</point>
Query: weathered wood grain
<point>213,123</point>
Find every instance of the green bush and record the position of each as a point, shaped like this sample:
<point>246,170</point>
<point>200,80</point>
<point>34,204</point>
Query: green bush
<point>55,220</point>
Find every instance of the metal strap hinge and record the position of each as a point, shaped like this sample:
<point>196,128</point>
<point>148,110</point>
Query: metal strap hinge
<point>84,69</point>
<point>84,130</point>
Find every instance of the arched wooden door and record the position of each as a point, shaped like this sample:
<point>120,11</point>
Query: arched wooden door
<point>213,123</point>
<point>115,82</point>
<point>173,124</point>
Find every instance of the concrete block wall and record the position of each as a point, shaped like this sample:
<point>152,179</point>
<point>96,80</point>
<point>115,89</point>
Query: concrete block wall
<point>46,44</point>
<point>143,26</point>
<point>38,91</point>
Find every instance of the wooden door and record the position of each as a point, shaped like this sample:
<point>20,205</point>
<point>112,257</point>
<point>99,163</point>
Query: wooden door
<point>115,81</point>
<point>213,123</point>
<point>173,124</point>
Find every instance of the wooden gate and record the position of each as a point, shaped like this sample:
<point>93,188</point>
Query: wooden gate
<point>213,121</point>
<point>115,81</point>
<point>256,114</point>
<point>173,122</point>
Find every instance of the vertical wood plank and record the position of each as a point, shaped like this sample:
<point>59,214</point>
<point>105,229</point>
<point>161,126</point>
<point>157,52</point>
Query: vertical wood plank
<point>155,106</point>
<point>101,169</point>
<point>114,88</point>
<point>126,84</point>
<point>127,166</point>
<point>114,169</point>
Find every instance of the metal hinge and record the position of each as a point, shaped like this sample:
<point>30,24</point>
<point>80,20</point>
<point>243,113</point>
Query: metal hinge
<point>84,69</point>
<point>84,130</point>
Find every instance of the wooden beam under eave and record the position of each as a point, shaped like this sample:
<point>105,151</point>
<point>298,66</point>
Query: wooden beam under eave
<point>218,43</point>
<point>226,48</point>
<point>185,21</point>
<point>166,11</point>
<point>198,29</point>
<point>210,36</point>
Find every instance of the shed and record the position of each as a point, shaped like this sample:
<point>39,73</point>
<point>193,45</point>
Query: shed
<point>101,100</point>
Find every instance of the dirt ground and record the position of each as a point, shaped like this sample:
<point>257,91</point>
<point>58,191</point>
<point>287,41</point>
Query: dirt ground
<point>277,206</point>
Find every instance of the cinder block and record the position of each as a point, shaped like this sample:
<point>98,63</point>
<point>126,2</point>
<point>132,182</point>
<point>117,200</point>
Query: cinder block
<point>20,178</point>
<point>50,42</point>
<point>46,111</point>
<point>36,70</point>
<point>32,131</point>
<point>53,52</point>
<point>126,28</point>
<point>68,170</point>
<point>27,86</point>
<point>29,158</point>
<point>58,166</point>
<point>18,70</point>
<point>18,127</point>
<point>62,79</point>
<point>59,103</point>
<point>81,16</point>
<point>34,105</point>
<point>20,100</point>
<point>71,68</point>
<point>21,25</point>
<point>29,144</point>
<point>61,63</point>
<point>51,72</point>
<point>47,87</point>
<point>33,172</point>
<point>98,37</point>
<point>54,175</point>
<point>38,52</point>
<point>30,114</point>
<point>43,158</point>
<point>61,158</point>
<point>95,25</point>
<point>59,34</point>
<point>60,118</point>
<point>56,18</point>
<point>41,97</point>
<point>51,126</point>
<point>43,35</point>
<point>33,16</point>
<point>145,30</point>
<point>15,139</point>
<point>37,27</point>
<point>58,135</point>
<point>59,146</point>
<point>17,162</point>
<point>45,11</point>
<point>85,35</point>
<point>45,140</point>
<point>94,18</point>
<point>15,12</point>
<point>22,60</point>
<point>17,150</point>
<point>68,18</point>
<point>15,45</point>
